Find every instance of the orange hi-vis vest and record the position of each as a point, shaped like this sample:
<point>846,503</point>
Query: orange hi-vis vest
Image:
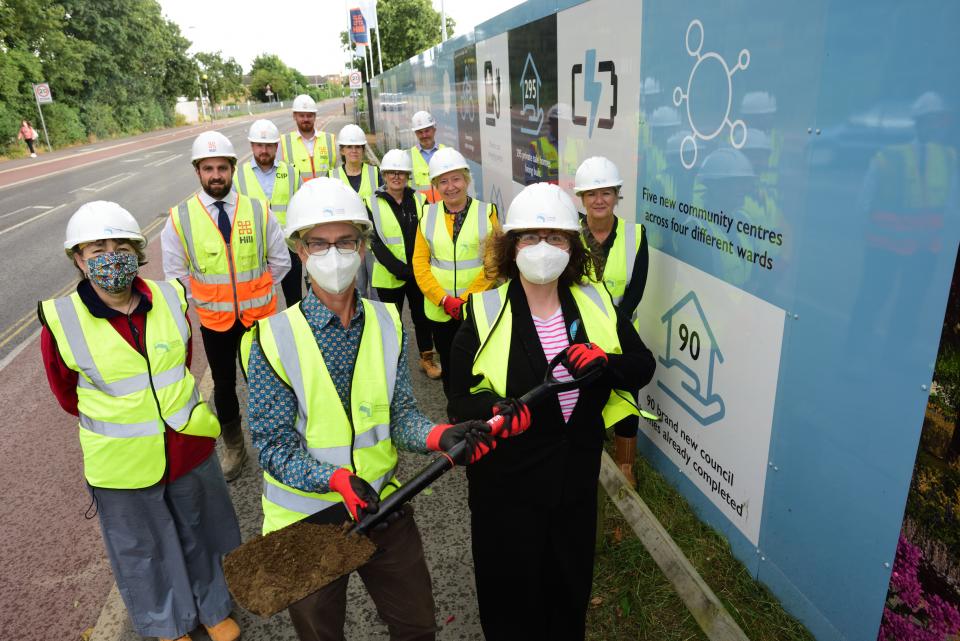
<point>227,282</point>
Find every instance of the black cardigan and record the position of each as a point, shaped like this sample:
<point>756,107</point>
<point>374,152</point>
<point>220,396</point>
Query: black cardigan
<point>559,459</point>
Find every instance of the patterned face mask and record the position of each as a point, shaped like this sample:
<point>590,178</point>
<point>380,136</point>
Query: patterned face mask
<point>113,271</point>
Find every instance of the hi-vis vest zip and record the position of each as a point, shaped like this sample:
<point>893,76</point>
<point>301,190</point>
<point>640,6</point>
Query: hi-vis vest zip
<point>368,179</point>
<point>618,267</point>
<point>227,285</point>
<point>493,318</point>
<point>285,183</point>
<point>454,267</point>
<point>125,399</point>
<point>421,174</point>
<point>324,156</point>
<point>391,235</point>
<point>360,442</point>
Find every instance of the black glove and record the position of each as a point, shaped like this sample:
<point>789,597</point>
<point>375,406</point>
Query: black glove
<point>358,496</point>
<point>477,434</point>
<point>516,417</point>
<point>582,358</point>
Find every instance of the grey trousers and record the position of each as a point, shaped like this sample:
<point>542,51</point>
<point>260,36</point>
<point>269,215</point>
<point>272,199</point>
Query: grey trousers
<point>165,544</point>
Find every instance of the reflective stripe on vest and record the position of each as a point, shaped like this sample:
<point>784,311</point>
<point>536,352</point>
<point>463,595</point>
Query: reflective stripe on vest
<point>368,179</point>
<point>300,157</point>
<point>361,440</point>
<point>228,282</point>
<point>493,319</point>
<point>125,397</point>
<point>618,267</point>
<point>248,185</point>
<point>388,229</point>
<point>453,269</point>
<point>421,168</point>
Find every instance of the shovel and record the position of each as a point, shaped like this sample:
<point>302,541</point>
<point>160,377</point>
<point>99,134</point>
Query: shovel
<point>269,573</point>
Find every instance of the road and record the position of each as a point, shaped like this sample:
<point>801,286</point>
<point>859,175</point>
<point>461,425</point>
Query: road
<point>55,578</point>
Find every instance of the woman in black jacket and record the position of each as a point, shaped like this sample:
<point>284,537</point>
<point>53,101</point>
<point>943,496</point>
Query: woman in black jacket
<point>533,500</point>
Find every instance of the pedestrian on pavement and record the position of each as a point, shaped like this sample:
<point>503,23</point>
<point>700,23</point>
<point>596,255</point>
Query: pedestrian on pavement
<point>547,306</point>
<point>425,128</point>
<point>330,403</point>
<point>448,255</point>
<point>267,178</point>
<point>363,178</point>
<point>312,152</point>
<point>117,354</point>
<point>233,251</point>
<point>28,134</point>
<point>622,247</point>
<point>395,208</point>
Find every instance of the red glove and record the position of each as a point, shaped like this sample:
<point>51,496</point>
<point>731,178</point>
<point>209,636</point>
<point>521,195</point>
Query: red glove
<point>582,358</point>
<point>358,495</point>
<point>510,417</point>
<point>477,434</point>
<point>452,306</point>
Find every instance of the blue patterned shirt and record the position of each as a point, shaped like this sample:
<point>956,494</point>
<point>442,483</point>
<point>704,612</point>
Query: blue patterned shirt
<point>273,405</point>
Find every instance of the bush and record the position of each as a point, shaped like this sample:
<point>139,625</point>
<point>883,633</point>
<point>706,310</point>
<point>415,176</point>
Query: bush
<point>934,502</point>
<point>99,120</point>
<point>63,124</point>
<point>151,116</point>
<point>9,127</point>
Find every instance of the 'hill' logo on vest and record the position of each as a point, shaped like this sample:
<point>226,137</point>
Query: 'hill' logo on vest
<point>245,231</point>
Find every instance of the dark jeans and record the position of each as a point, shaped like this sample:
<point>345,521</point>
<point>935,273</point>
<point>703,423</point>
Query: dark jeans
<point>627,427</point>
<point>421,325</point>
<point>397,580</point>
<point>292,283</point>
<point>443,334</point>
<point>29,142</point>
<point>221,349</point>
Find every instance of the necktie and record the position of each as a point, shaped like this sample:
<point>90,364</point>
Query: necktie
<point>223,222</point>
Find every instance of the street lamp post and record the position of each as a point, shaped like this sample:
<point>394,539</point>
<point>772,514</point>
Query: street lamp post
<point>207,90</point>
<point>203,109</point>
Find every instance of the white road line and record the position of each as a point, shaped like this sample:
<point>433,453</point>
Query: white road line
<point>164,161</point>
<point>30,220</point>
<point>104,183</point>
<point>17,211</point>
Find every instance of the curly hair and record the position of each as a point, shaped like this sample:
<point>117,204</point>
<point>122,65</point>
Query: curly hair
<point>500,263</point>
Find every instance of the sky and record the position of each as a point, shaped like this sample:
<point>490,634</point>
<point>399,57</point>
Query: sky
<point>305,38</point>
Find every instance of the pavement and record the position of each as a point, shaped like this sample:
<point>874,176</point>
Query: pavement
<point>56,581</point>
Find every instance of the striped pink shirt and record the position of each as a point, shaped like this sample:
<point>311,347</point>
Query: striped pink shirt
<point>553,340</point>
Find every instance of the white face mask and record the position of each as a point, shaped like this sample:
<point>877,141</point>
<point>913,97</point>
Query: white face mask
<point>333,271</point>
<point>542,263</point>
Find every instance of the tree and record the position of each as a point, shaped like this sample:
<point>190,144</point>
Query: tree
<point>407,27</point>
<point>284,81</point>
<point>224,77</point>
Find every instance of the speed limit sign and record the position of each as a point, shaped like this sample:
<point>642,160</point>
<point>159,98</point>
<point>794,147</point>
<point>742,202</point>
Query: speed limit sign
<point>42,92</point>
<point>356,81</point>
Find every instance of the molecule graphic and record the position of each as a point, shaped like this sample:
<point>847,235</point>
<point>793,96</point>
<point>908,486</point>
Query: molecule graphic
<point>709,63</point>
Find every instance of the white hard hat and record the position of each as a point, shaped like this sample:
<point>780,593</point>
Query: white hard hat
<point>351,135</point>
<point>542,206</point>
<point>324,200</point>
<point>263,131</point>
<point>595,173</point>
<point>305,103</point>
<point>665,116</point>
<point>397,160</point>
<point>99,220</point>
<point>757,140</point>
<point>446,159</point>
<point>212,144</point>
<point>758,102</point>
<point>929,103</point>
<point>726,162</point>
<point>422,120</point>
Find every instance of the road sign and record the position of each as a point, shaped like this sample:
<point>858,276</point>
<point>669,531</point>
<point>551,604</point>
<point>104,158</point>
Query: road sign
<point>42,92</point>
<point>356,81</point>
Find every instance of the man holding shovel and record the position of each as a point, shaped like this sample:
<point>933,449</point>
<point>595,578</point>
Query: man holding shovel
<point>330,401</point>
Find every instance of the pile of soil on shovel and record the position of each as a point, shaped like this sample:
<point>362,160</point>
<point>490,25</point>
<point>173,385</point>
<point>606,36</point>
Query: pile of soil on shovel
<point>268,573</point>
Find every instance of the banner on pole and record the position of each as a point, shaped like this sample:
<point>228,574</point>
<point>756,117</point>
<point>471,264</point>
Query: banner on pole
<point>358,28</point>
<point>369,10</point>
<point>42,91</point>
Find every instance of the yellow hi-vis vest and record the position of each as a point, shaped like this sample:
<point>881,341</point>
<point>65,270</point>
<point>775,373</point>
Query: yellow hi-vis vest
<point>421,168</point>
<point>494,321</point>
<point>618,267</point>
<point>285,183</point>
<point>227,285</point>
<point>359,442</point>
<point>454,266</point>
<point>368,179</point>
<point>391,235</point>
<point>324,156</point>
<point>125,399</point>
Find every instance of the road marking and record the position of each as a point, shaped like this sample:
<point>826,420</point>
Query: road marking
<point>164,161</point>
<point>104,183</point>
<point>30,220</point>
<point>17,211</point>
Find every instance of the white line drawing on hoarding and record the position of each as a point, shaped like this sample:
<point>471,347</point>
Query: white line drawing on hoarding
<point>530,85</point>
<point>743,61</point>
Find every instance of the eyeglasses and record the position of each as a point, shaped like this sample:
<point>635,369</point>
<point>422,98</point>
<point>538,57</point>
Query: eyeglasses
<point>321,247</point>
<point>556,239</point>
<point>395,174</point>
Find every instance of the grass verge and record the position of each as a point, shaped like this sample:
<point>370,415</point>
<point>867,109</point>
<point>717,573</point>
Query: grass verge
<point>633,600</point>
